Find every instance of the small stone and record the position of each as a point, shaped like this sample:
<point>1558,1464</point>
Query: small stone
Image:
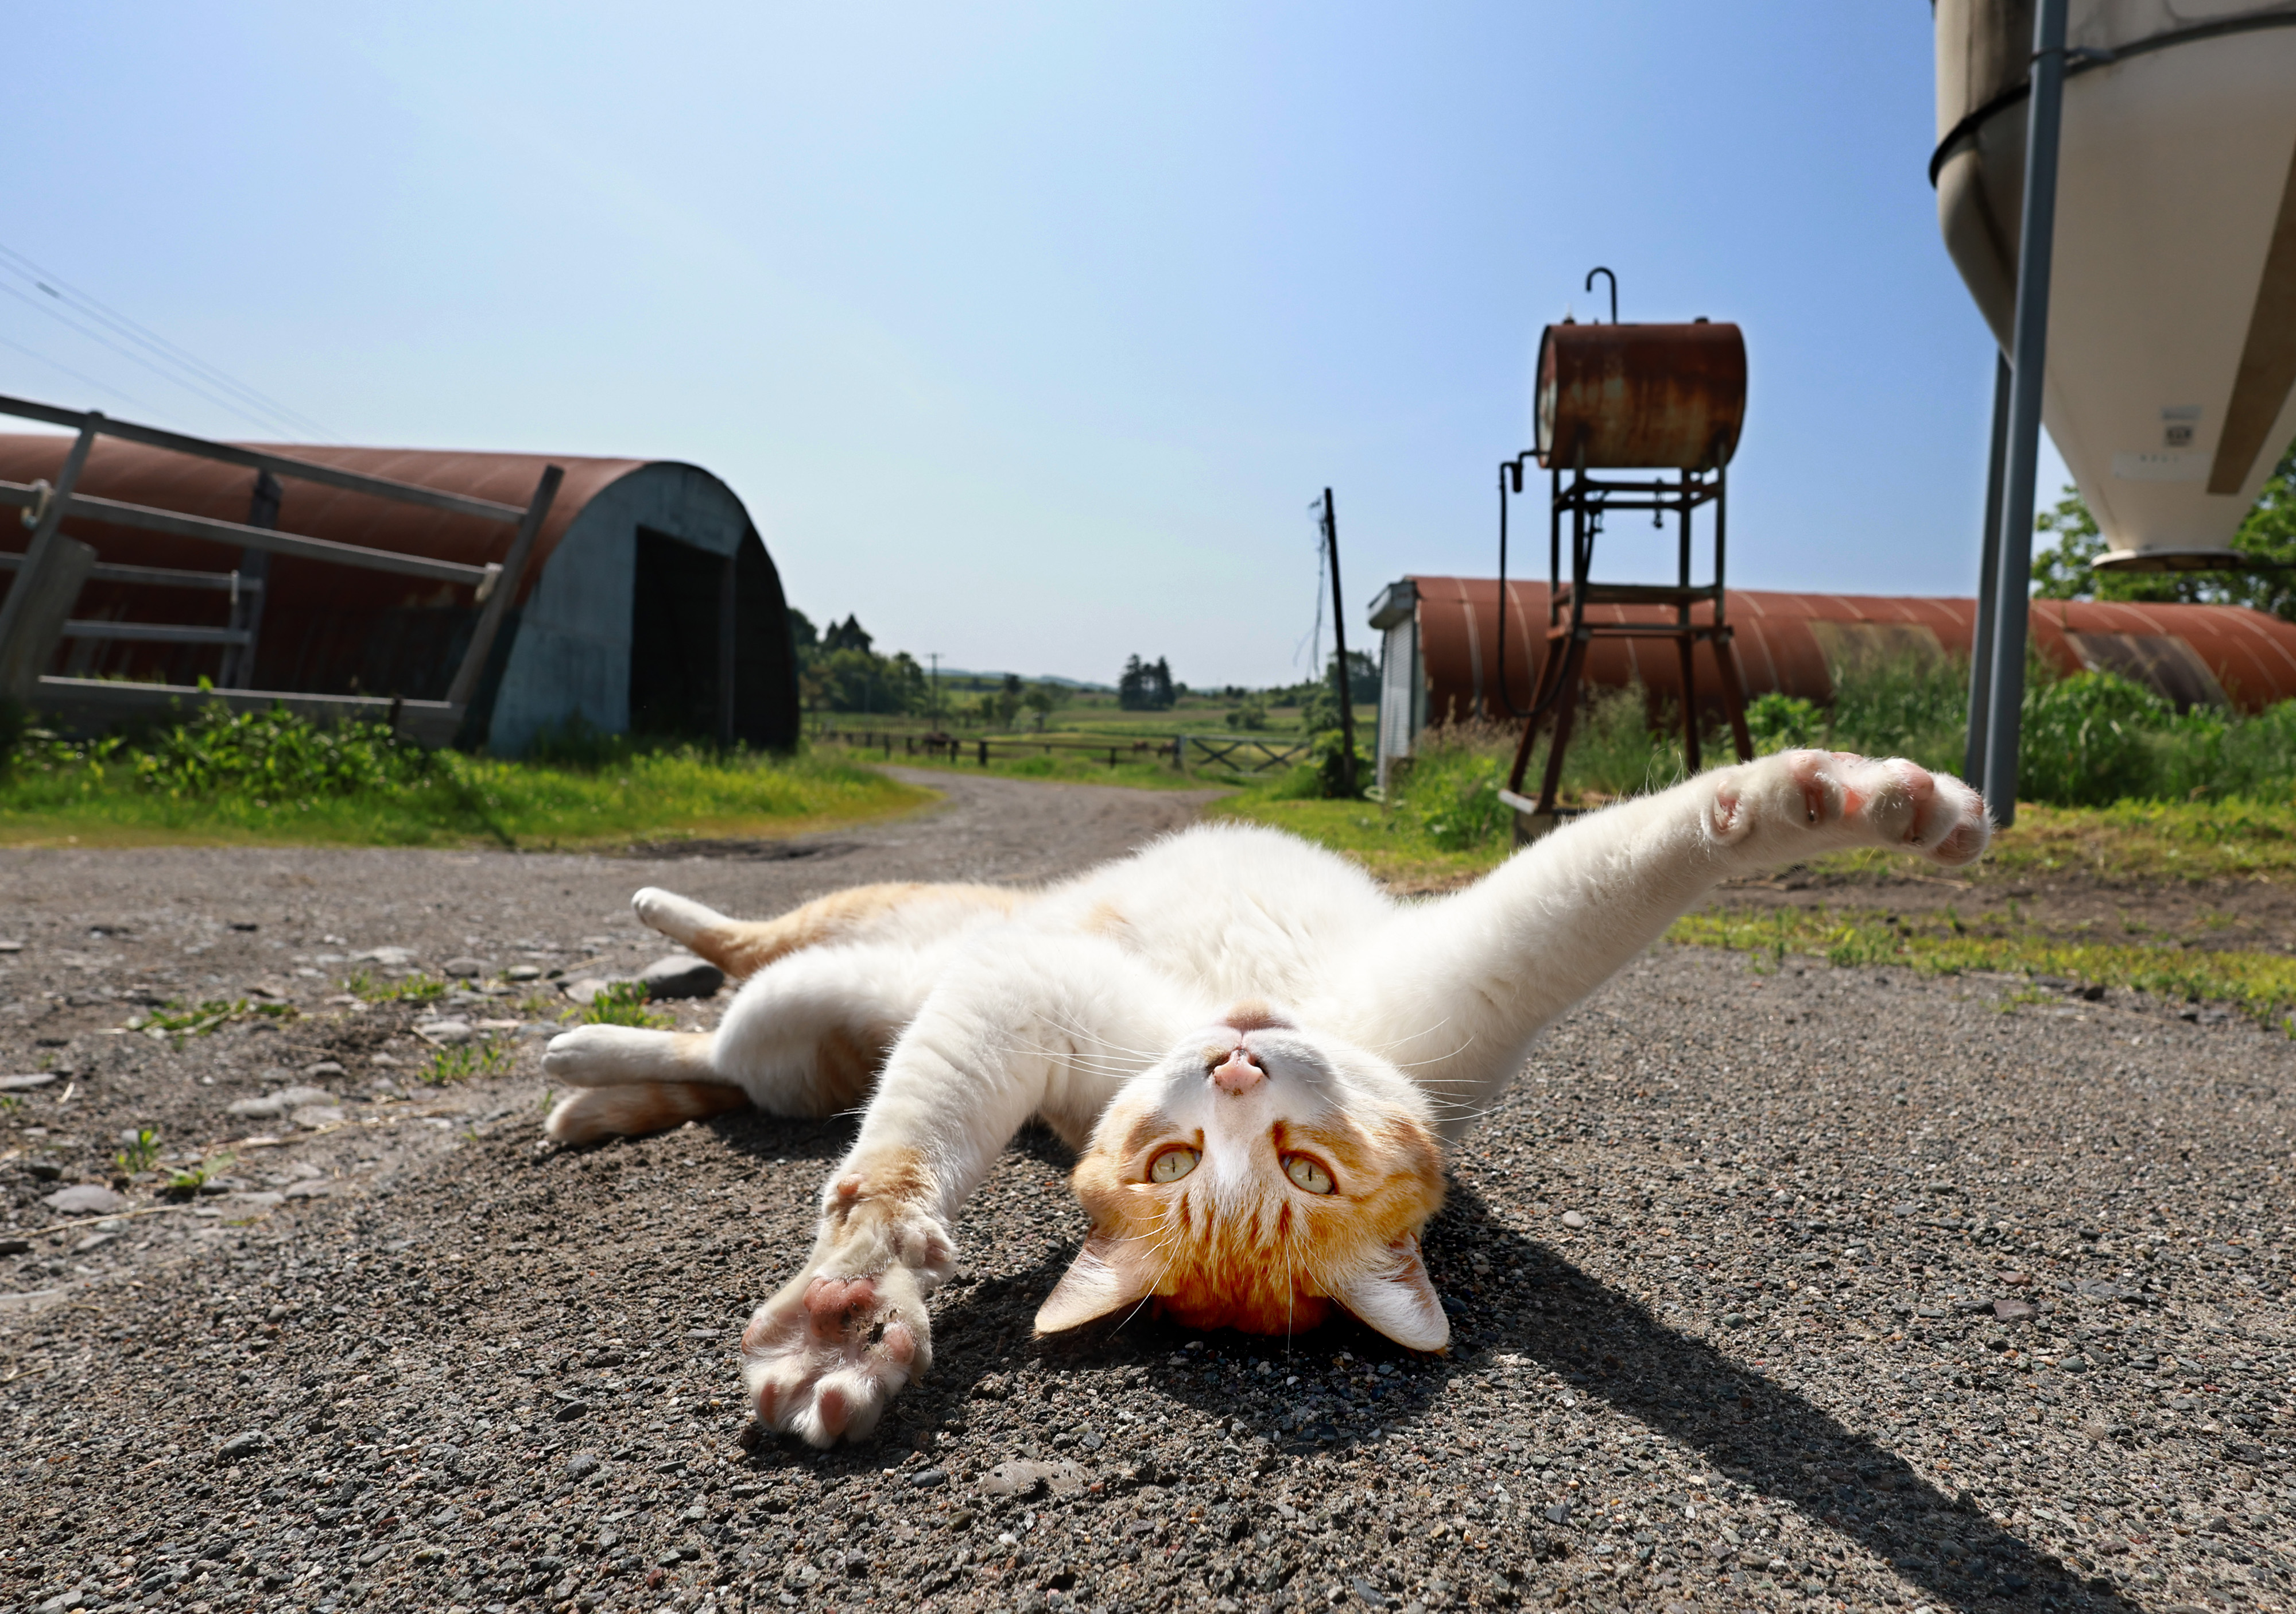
<point>926,1478</point>
<point>325,1068</point>
<point>2010,1311</point>
<point>585,991</point>
<point>26,1082</point>
<point>86,1200</point>
<point>463,970</point>
<point>12,947</point>
<point>317,1118</point>
<point>44,1171</point>
<point>256,1110</point>
<point>1558,1512</point>
<point>581,1465</point>
<point>1573,1219</point>
<point>295,1098</point>
<point>681,975</point>
<point>522,972</point>
<point>568,1412</point>
<point>15,1247</point>
<point>390,958</point>
<point>446,1033</point>
<point>241,1445</point>
<point>265,1201</point>
<point>308,1190</point>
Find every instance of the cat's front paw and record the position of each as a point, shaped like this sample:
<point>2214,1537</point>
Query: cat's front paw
<point>1783,802</point>
<point>821,1359</point>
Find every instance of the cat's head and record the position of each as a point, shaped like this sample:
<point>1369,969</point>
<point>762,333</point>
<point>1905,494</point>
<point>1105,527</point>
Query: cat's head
<point>1254,1178</point>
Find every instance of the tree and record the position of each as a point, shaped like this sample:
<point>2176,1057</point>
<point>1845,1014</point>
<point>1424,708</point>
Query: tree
<point>2066,569</point>
<point>847,635</point>
<point>802,633</point>
<point>1145,686</point>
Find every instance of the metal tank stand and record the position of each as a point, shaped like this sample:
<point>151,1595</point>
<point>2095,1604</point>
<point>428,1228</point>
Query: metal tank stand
<point>1588,500</point>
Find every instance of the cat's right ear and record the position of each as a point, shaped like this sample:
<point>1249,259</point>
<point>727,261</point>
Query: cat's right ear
<point>1107,1274</point>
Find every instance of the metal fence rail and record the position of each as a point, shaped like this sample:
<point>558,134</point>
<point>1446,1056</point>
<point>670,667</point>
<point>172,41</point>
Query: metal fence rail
<point>35,612</point>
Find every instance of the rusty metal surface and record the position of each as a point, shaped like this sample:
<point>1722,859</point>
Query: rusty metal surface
<point>1640,396</point>
<point>1791,642</point>
<point>404,629</point>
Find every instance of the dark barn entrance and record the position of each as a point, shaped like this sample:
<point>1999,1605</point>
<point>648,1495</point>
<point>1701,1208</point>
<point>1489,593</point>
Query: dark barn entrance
<point>700,629</point>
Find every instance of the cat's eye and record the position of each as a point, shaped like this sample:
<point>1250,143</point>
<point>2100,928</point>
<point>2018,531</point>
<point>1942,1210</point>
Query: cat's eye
<point>1306,1174</point>
<point>1172,1164</point>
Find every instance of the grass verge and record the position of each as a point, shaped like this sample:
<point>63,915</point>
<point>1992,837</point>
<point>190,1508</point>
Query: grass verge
<point>266,778</point>
<point>2260,985</point>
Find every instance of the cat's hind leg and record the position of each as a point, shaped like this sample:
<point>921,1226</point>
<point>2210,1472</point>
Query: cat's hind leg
<point>743,947</point>
<point>630,1081</point>
<point>803,1038</point>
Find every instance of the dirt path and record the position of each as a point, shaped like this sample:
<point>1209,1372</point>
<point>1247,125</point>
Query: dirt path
<point>1816,1290</point>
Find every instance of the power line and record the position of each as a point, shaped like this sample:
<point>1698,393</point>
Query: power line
<point>76,375</point>
<point>273,416</point>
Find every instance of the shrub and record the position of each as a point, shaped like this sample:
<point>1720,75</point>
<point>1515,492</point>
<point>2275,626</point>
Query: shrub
<point>1783,722</point>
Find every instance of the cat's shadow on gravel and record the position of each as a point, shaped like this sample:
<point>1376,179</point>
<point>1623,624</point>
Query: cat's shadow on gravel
<point>1608,1345</point>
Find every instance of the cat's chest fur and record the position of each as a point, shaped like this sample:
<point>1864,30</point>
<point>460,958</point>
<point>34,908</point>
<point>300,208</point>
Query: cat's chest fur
<point>1229,914</point>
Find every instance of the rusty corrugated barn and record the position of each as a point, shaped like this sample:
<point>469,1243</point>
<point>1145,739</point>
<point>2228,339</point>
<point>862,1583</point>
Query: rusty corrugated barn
<point>649,603</point>
<point>1441,660</point>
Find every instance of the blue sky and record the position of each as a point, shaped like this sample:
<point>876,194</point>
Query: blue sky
<point>1028,332</point>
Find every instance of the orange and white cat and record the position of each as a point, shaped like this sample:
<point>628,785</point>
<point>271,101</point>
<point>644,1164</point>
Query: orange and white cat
<point>1259,1054</point>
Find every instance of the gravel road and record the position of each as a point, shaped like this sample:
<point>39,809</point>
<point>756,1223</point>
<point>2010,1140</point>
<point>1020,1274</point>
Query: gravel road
<point>1820,1288</point>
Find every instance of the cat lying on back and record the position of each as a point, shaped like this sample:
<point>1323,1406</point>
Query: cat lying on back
<point>1258,1055</point>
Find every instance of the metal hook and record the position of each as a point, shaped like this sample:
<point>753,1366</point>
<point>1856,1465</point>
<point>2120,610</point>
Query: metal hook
<point>1589,286</point>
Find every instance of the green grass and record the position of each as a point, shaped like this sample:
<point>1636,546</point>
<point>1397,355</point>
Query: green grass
<point>265,777</point>
<point>2260,985</point>
<point>1060,767</point>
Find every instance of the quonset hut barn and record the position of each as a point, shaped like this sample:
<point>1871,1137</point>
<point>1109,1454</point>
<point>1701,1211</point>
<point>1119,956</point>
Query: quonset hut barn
<point>648,603</point>
<point>1440,659</point>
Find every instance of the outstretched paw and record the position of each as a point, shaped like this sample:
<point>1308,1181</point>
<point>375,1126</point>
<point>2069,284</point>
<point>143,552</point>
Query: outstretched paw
<point>1845,800</point>
<point>821,1359</point>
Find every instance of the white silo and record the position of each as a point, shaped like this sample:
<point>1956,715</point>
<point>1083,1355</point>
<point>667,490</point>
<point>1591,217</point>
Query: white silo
<point>2172,358</point>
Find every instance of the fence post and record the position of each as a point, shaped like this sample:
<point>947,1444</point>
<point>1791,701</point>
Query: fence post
<point>984,754</point>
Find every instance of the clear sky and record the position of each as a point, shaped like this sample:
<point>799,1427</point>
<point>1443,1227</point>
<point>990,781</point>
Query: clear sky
<point>1027,333</point>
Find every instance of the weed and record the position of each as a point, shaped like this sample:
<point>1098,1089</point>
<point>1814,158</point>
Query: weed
<point>624,1003</point>
<point>191,1179</point>
<point>179,1021</point>
<point>542,1003</point>
<point>405,989</point>
<point>141,1153</point>
<point>450,1064</point>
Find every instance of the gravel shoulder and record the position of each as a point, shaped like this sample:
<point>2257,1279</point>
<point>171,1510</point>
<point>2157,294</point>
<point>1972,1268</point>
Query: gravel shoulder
<point>1821,1288</point>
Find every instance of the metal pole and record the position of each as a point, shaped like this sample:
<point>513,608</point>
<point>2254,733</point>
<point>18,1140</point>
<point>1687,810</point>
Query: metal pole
<point>1339,643</point>
<point>2028,364</point>
<point>45,541</point>
<point>1989,566</point>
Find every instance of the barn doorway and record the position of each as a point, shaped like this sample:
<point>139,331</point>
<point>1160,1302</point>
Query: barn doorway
<point>679,639</point>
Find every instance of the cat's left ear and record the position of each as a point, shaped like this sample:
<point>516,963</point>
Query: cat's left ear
<point>1108,1274</point>
<point>1396,1299</point>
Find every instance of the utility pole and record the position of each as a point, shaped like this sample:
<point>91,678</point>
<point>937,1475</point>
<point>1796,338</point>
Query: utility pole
<point>1339,643</point>
<point>934,657</point>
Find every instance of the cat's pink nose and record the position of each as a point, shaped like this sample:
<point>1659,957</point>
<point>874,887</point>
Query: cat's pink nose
<point>1239,1074</point>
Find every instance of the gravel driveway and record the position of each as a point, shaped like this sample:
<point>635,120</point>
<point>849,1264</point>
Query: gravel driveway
<point>1810,1289</point>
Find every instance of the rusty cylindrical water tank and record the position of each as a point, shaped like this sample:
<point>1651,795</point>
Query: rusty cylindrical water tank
<point>1648,397</point>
